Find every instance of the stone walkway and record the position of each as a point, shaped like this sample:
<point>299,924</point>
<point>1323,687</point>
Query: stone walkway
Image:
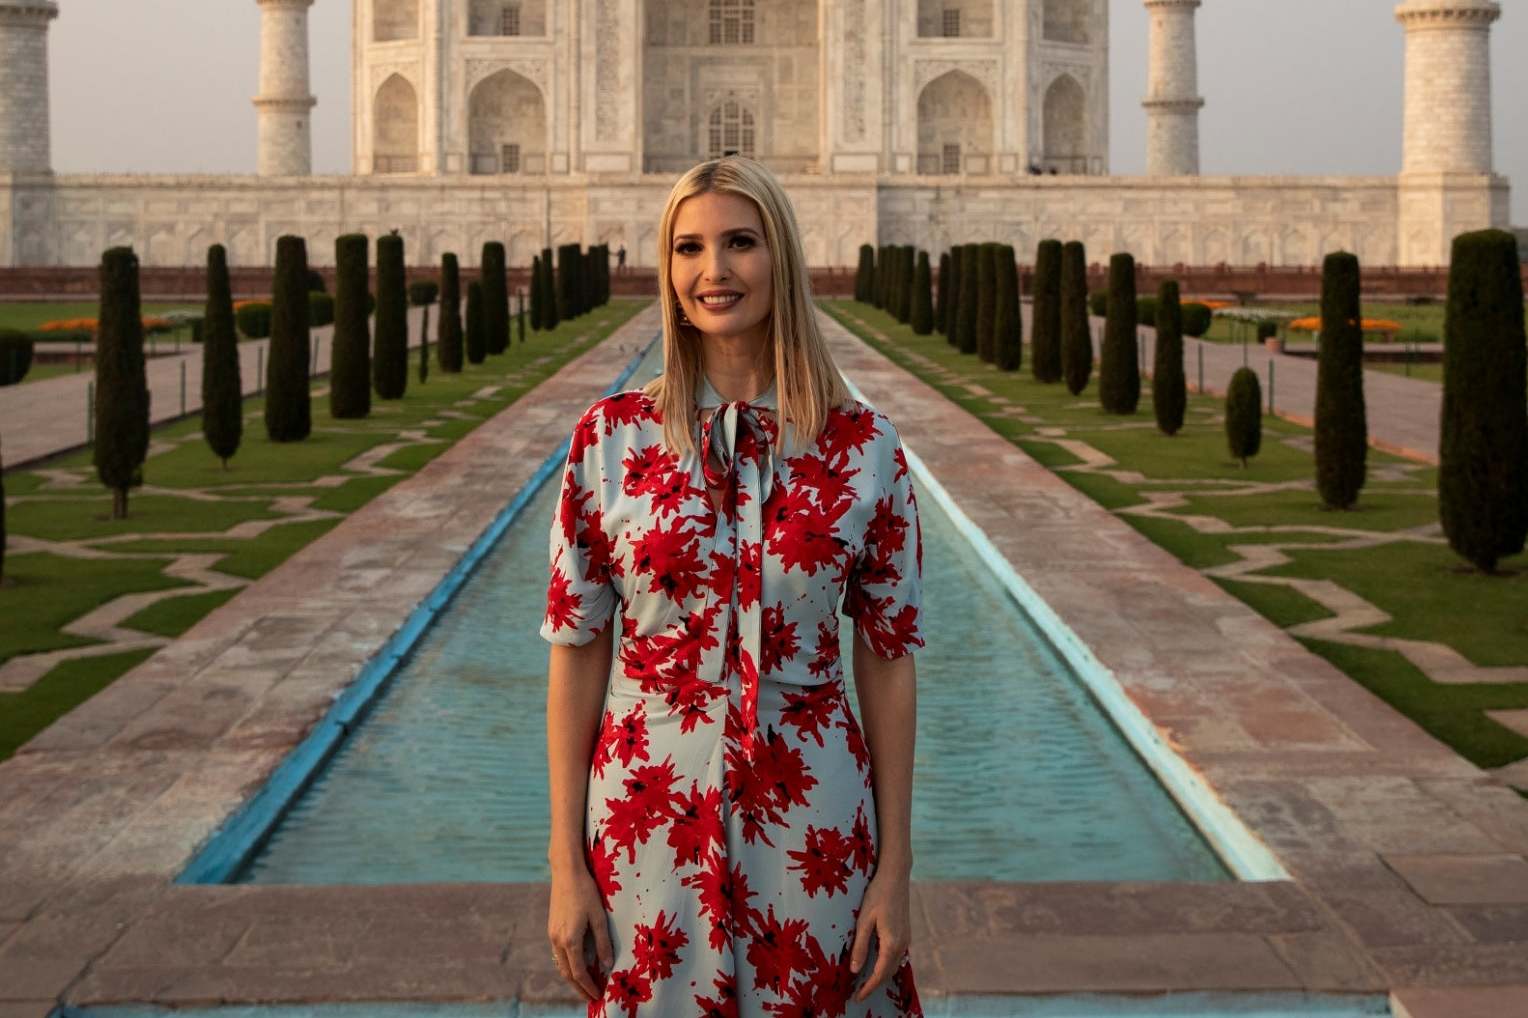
<point>1408,863</point>
<point>39,419</point>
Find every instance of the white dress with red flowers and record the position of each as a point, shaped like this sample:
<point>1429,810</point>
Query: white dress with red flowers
<point>731,822</point>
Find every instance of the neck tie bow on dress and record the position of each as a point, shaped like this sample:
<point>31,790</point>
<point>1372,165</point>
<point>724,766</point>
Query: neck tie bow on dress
<point>738,460</point>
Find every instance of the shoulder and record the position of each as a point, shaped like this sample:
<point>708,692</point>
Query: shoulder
<point>619,411</point>
<point>856,428</point>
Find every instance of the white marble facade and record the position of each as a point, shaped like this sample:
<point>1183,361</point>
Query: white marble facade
<point>541,122</point>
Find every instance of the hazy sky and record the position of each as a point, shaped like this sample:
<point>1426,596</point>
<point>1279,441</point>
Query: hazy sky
<point>1292,86</point>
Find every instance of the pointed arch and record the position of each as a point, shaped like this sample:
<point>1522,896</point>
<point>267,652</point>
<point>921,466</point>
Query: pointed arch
<point>1064,126</point>
<point>954,125</point>
<point>395,125</point>
<point>506,125</point>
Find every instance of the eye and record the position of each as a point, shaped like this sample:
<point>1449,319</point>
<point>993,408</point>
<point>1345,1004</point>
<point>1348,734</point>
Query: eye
<point>684,247</point>
<point>743,239</point>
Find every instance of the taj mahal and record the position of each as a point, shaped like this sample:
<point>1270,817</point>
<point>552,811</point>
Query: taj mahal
<point>928,122</point>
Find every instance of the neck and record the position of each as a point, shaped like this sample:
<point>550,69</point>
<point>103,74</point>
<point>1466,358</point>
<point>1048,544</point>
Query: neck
<point>739,367</point>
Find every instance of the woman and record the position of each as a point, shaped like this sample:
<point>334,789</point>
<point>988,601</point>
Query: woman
<point>726,840</point>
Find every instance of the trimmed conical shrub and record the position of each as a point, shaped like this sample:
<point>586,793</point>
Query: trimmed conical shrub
<point>1045,356</point>
<point>549,311</point>
<point>1007,316</point>
<point>1244,415</point>
<point>288,404</point>
<point>957,283</point>
<point>495,299</point>
<point>864,274</point>
<point>882,276</point>
<point>1342,434</point>
<point>350,368</point>
<point>535,285</point>
<point>520,317</point>
<point>986,302</point>
<point>448,343</point>
<point>1169,389</point>
<point>121,387</point>
<point>970,298</point>
<point>1076,340</point>
<point>1483,444</point>
<point>909,274</point>
<point>390,345</point>
<point>1119,369</point>
<point>942,300</point>
<point>567,277</point>
<point>2,516</point>
<point>222,383</point>
<point>421,295</point>
<point>477,324</point>
<point>923,297</point>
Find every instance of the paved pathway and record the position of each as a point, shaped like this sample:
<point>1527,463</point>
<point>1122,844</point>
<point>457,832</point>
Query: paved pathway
<point>39,419</point>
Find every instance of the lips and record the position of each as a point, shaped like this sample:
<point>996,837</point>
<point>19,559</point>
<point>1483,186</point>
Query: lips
<point>719,301</point>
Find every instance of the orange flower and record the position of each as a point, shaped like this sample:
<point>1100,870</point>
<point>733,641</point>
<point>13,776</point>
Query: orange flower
<point>1213,305</point>
<point>68,325</point>
<point>1312,323</point>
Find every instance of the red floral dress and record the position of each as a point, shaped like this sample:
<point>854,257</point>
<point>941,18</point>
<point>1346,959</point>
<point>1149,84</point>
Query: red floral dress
<point>730,821</point>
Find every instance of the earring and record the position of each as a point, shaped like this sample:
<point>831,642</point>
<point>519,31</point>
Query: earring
<point>683,319</point>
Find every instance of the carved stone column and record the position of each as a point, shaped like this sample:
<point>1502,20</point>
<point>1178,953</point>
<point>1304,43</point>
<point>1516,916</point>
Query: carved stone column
<point>1172,90</point>
<point>285,103</point>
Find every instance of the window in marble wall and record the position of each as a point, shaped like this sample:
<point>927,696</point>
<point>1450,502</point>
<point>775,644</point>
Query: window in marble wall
<point>731,130</point>
<point>507,19</point>
<point>953,19</point>
<point>732,22</point>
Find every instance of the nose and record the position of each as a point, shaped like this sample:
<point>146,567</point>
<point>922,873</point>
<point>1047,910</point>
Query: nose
<point>715,268</point>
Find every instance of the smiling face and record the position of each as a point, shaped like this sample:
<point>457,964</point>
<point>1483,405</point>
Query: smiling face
<point>719,265</point>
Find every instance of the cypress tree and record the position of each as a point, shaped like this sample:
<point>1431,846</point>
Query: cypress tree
<point>477,324</point>
<point>222,384</point>
<point>1342,439</point>
<point>863,274</point>
<point>942,299</point>
<point>952,303</point>
<point>549,310</point>
<point>535,285</point>
<point>1008,316</point>
<point>565,282</point>
<point>121,389</point>
<point>1076,340</point>
<point>1244,415</point>
<point>422,294</point>
<point>1119,374</point>
<point>448,342</point>
<point>1483,443</point>
<point>1169,390</point>
<point>1045,359</point>
<point>986,302</point>
<point>350,368</point>
<point>390,345</point>
<point>909,281</point>
<point>520,317</point>
<point>883,279</point>
<point>288,403</point>
<point>923,297</point>
<point>965,317</point>
<point>894,281</point>
<point>495,299</point>
<point>2,518</point>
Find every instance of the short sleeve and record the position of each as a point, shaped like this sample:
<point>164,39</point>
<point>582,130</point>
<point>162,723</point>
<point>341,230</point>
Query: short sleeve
<point>580,597</point>
<point>884,593</point>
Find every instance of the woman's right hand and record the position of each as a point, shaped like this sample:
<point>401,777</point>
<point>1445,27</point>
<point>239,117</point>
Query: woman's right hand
<point>576,911</point>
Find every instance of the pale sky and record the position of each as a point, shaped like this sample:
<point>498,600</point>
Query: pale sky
<point>1292,86</point>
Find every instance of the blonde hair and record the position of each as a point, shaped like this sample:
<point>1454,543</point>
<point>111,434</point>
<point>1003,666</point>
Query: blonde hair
<point>807,383</point>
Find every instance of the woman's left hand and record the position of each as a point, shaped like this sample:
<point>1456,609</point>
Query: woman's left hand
<point>883,911</point>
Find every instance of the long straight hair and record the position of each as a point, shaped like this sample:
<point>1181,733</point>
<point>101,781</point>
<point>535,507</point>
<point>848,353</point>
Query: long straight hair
<point>807,382</point>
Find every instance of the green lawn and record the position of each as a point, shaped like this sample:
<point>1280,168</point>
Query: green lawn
<point>189,503</point>
<point>28,314</point>
<point>1412,575</point>
<point>1419,323</point>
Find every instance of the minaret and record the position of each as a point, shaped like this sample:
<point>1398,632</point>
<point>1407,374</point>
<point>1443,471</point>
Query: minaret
<point>284,106</point>
<point>1172,90</point>
<point>24,128</point>
<point>1448,85</point>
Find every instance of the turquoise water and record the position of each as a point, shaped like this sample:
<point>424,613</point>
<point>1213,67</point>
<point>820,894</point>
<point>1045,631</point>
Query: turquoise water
<point>1019,776</point>
<point>1184,1005</point>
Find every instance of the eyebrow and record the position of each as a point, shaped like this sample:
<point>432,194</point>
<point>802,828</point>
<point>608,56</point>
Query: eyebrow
<point>725,233</point>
